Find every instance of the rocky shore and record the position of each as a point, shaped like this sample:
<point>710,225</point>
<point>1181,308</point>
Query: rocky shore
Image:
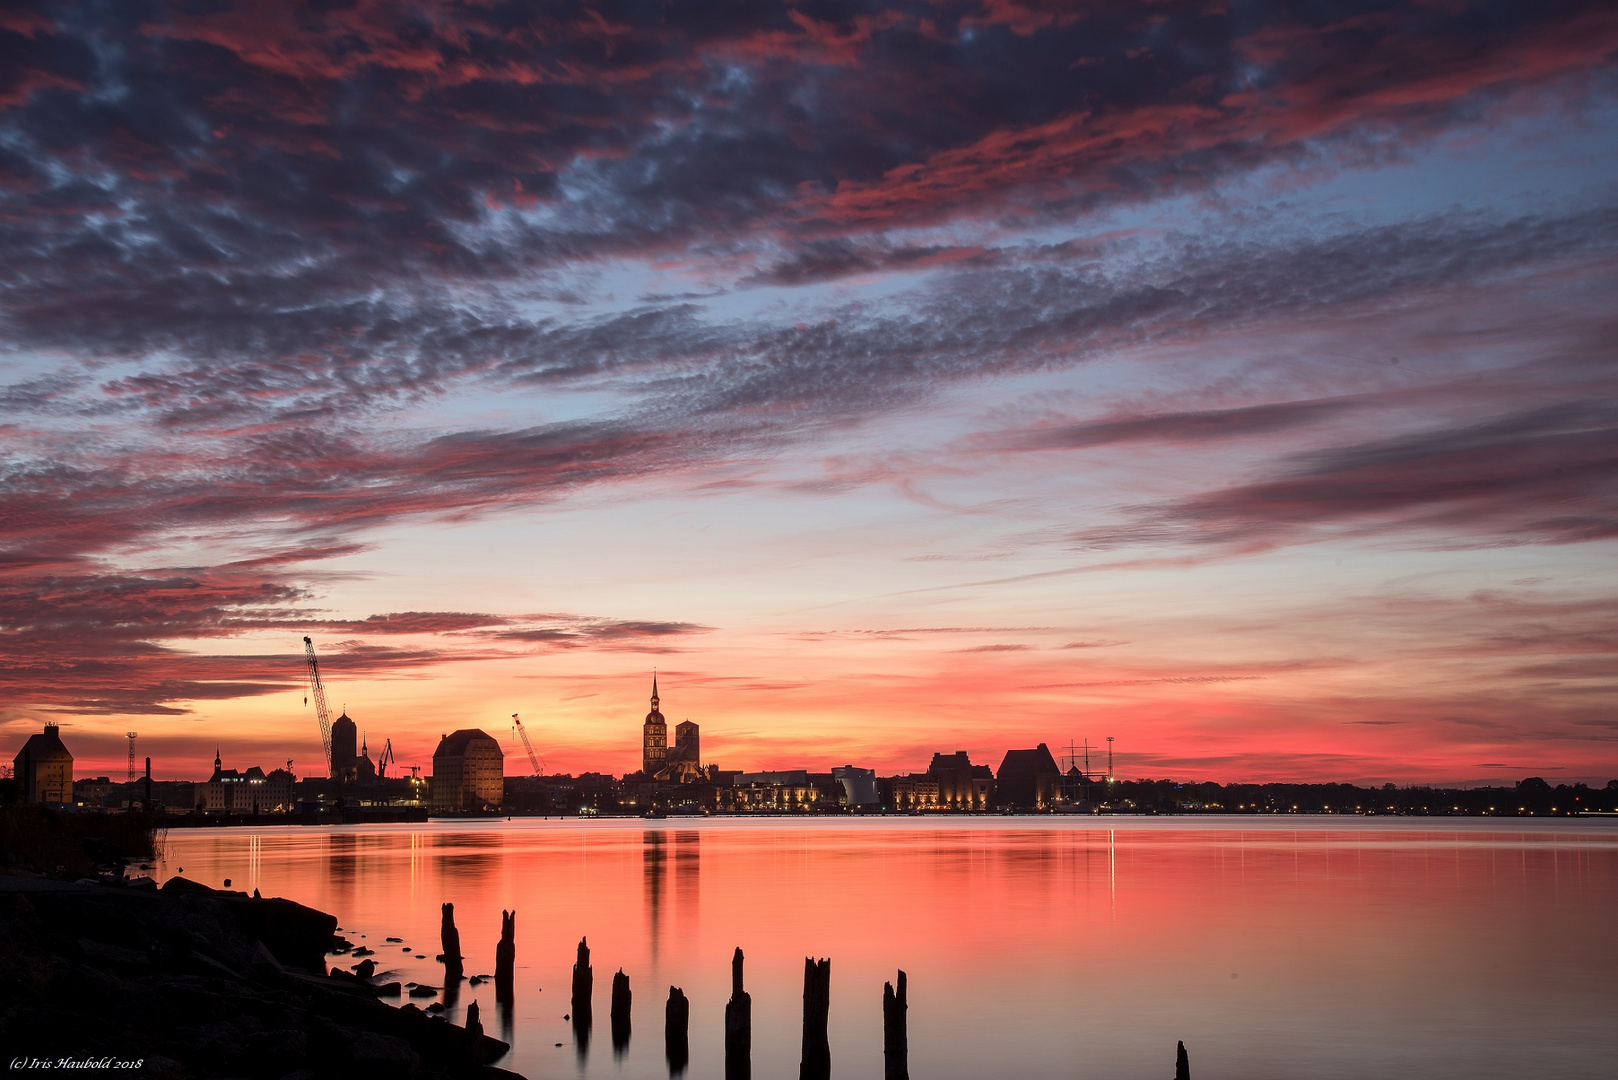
<point>194,982</point>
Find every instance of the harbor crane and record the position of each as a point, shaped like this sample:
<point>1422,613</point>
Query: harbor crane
<point>533,758</point>
<point>320,699</point>
<point>384,760</point>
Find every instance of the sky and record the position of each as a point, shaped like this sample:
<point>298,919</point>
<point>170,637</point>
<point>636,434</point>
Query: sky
<point>1233,380</point>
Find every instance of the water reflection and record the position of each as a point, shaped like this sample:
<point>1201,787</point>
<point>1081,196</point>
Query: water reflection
<point>1059,947</point>
<point>688,879</point>
<point>652,857</point>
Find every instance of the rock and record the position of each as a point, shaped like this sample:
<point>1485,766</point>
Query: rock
<point>378,1055</point>
<point>112,954</point>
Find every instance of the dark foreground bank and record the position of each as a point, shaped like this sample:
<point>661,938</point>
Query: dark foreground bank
<point>193,982</point>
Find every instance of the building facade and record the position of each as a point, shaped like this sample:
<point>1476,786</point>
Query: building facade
<point>229,791</point>
<point>468,772</point>
<point>1029,779</point>
<point>44,768</point>
<point>961,784</point>
<point>913,792</point>
<point>858,785</point>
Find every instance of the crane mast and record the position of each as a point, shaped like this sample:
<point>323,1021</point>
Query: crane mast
<point>533,759</point>
<point>319,693</point>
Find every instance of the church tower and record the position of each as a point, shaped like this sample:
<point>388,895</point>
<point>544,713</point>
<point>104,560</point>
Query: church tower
<point>654,738</point>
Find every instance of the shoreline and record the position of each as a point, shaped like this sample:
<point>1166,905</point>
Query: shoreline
<point>195,982</point>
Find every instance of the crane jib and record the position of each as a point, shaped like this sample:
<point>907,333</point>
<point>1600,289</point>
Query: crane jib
<point>319,694</point>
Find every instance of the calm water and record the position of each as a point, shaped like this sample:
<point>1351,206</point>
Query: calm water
<point>1034,947</point>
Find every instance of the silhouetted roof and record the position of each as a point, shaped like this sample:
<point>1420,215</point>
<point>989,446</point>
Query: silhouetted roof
<point>45,744</point>
<point>456,742</point>
<point>1028,763</point>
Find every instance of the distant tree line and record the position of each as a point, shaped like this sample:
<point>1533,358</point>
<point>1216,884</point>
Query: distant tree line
<point>1530,796</point>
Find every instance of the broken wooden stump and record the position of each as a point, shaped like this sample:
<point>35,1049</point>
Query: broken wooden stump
<point>583,984</point>
<point>474,1029</point>
<point>505,957</point>
<point>1182,1063</point>
<point>451,939</point>
<point>676,1030</point>
<point>620,1010</point>
<point>815,1063</point>
<point>895,1043</point>
<point>738,1026</point>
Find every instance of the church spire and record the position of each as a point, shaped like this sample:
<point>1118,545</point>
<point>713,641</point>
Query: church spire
<point>654,690</point>
<point>216,762</point>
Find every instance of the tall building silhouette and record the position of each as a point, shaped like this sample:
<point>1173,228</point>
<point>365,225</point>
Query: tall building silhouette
<point>654,738</point>
<point>344,739</point>
<point>44,768</point>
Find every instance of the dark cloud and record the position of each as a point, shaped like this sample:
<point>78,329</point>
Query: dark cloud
<point>316,198</point>
<point>1182,427</point>
<point>99,642</point>
<point>574,632</point>
<point>1544,475</point>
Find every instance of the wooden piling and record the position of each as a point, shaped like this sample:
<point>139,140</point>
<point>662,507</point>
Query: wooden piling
<point>505,957</point>
<point>1182,1063</point>
<point>738,1026</point>
<point>451,940</point>
<point>620,1010</point>
<point>474,1028</point>
<point>676,1030</point>
<point>583,985</point>
<point>815,1063</point>
<point>895,1042</point>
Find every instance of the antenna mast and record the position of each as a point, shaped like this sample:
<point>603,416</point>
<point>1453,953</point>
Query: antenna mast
<point>320,699</point>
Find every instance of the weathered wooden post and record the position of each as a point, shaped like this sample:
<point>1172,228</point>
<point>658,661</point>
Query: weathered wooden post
<point>676,1030</point>
<point>451,940</point>
<point>1182,1063</point>
<point>474,1029</point>
<point>620,1010</point>
<point>738,1025</point>
<point>505,957</point>
<point>895,1043</point>
<point>816,1061</point>
<point>583,984</point>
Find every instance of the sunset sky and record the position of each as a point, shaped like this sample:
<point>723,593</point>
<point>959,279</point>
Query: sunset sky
<point>1234,379</point>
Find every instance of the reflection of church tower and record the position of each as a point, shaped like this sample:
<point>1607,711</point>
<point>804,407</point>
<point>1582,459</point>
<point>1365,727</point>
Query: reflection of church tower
<point>654,738</point>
